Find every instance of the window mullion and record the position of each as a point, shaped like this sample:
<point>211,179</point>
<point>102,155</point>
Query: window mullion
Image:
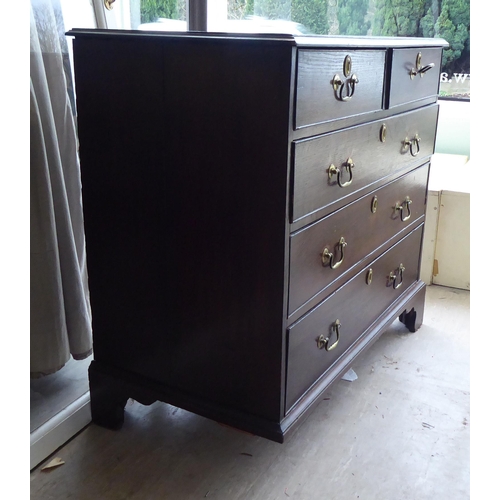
<point>197,14</point>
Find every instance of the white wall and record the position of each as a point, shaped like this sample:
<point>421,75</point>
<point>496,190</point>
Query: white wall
<point>453,132</point>
<point>446,249</point>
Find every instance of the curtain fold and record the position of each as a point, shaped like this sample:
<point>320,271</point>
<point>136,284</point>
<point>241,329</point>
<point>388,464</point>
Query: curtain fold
<point>60,307</point>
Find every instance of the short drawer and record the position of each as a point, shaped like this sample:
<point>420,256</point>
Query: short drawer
<point>414,75</point>
<point>345,315</point>
<point>333,84</point>
<point>325,250</point>
<point>332,166</point>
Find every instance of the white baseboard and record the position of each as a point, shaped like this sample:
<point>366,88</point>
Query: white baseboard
<point>59,429</point>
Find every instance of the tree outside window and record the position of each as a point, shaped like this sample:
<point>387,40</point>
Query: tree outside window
<point>448,19</point>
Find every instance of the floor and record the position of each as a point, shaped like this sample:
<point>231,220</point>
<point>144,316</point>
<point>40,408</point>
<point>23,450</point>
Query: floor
<point>399,431</point>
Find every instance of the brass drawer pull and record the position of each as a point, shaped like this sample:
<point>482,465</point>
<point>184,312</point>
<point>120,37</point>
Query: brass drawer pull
<point>419,70</point>
<point>322,341</point>
<point>109,4</point>
<point>413,144</point>
<point>333,170</point>
<point>397,278</point>
<point>345,90</point>
<point>406,203</point>
<point>329,257</point>
<point>383,132</point>
<point>369,276</point>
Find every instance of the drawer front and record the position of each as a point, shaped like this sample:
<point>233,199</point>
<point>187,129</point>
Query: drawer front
<point>327,88</point>
<point>376,150</point>
<point>412,78</point>
<point>356,305</point>
<point>322,252</point>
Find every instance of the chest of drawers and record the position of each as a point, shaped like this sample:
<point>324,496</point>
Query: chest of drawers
<point>254,210</point>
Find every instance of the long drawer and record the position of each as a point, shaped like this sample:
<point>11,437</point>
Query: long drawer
<point>332,166</point>
<point>333,84</point>
<point>322,252</point>
<point>322,336</point>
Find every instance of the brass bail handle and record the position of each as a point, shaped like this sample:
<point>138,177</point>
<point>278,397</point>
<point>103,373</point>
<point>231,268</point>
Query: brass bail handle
<point>339,172</point>
<point>397,278</point>
<point>344,90</point>
<point>413,144</point>
<point>419,69</point>
<point>401,208</point>
<point>328,257</point>
<point>322,341</point>
<point>109,4</point>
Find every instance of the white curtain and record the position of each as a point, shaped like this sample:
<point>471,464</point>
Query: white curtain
<point>60,307</point>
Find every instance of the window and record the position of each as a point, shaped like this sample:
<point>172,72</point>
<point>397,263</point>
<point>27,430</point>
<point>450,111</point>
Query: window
<point>149,15</point>
<point>448,19</point>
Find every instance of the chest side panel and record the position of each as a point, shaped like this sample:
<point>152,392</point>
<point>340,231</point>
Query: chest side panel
<point>185,175</point>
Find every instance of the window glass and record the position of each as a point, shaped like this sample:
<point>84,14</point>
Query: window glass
<point>448,19</point>
<point>149,15</point>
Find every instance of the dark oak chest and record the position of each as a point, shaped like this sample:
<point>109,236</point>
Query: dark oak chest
<point>254,209</point>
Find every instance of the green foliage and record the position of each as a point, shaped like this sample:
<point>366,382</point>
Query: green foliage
<point>310,13</point>
<point>427,24</point>
<point>272,9</point>
<point>151,10</point>
<point>448,19</point>
<point>249,7</point>
<point>351,15</point>
<point>239,9</point>
<point>313,14</point>
<point>453,24</point>
<point>399,17</point>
